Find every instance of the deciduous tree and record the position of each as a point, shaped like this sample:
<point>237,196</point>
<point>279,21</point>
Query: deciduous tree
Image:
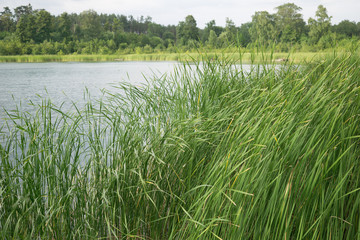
<point>25,28</point>
<point>347,28</point>
<point>188,30</point>
<point>64,27</point>
<point>289,22</point>
<point>43,21</point>
<point>263,28</point>
<point>320,26</point>
<point>213,39</point>
<point>90,24</point>
<point>6,20</point>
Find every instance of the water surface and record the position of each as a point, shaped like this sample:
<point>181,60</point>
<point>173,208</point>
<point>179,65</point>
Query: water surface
<point>66,82</point>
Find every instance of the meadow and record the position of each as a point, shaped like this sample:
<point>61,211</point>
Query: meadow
<point>210,152</point>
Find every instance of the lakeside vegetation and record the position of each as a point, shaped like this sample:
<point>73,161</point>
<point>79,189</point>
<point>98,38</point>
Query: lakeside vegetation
<point>28,31</point>
<point>254,56</point>
<point>210,152</point>
<point>188,56</point>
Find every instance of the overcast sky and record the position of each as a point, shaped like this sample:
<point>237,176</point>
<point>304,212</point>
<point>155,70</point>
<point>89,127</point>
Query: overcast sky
<point>172,11</point>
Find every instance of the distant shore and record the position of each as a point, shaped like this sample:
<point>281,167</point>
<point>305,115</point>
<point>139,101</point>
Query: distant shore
<point>246,57</point>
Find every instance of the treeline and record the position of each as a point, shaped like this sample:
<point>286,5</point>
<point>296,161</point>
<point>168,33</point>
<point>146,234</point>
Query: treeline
<point>25,30</point>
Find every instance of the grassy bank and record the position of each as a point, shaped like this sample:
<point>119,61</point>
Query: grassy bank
<point>211,152</point>
<point>247,57</point>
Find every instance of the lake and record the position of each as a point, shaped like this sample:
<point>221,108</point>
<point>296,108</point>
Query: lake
<point>66,82</point>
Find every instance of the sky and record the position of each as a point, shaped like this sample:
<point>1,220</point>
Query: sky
<point>167,12</point>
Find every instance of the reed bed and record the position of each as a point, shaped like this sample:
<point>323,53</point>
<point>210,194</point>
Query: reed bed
<point>252,56</point>
<point>210,152</point>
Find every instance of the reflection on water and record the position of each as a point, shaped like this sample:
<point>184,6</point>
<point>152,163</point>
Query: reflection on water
<point>69,82</point>
<point>66,82</point>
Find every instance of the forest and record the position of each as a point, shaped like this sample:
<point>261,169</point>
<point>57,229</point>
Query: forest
<point>28,31</point>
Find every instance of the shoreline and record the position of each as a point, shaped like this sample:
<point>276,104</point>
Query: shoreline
<point>246,57</point>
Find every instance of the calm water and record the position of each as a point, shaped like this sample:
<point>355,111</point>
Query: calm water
<point>66,82</point>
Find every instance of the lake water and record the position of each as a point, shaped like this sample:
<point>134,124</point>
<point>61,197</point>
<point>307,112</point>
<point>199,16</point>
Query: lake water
<point>66,82</point>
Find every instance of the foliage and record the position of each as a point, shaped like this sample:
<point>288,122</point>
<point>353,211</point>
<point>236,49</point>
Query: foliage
<point>244,37</point>
<point>90,32</point>
<point>347,28</point>
<point>263,29</point>
<point>320,26</point>
<point>289,23</point>
<point>213,39</point>
<point>187,30</point>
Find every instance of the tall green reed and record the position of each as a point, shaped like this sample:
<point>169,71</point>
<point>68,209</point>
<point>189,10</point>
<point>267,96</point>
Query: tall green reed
<point>211,151</point>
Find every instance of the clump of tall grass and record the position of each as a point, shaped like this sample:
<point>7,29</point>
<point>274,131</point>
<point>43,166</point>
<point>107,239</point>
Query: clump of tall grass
<point>210,152</point>
<point>247,57</point>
